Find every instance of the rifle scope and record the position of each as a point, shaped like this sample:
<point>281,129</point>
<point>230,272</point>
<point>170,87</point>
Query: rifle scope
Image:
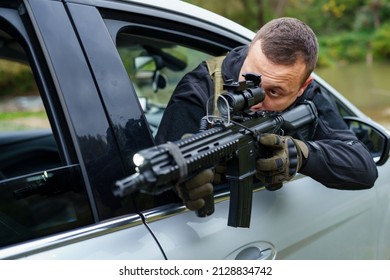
<point>240,96</point>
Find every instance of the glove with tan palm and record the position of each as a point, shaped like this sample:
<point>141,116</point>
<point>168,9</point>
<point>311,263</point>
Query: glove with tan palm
<point>194,191</point>
<point>285,156</point>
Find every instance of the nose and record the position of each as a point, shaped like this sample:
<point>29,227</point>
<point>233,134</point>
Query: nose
<point>257,107</point>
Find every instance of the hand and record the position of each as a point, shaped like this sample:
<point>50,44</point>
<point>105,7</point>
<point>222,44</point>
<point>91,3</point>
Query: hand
<point>193,191</point>
<point>285,161</point>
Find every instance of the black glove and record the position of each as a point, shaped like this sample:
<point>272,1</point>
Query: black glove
<point>285,160</point>
<point>193,191</point>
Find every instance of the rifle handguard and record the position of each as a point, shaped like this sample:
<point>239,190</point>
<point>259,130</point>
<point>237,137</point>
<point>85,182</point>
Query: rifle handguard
<point>235,144</point>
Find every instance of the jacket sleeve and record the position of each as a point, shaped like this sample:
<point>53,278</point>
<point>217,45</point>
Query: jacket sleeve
<point>186,106</point>
<point>340,164</point>
<point>337,159</point>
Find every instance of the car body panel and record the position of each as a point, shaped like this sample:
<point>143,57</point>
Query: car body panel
<point>105,240</point>
<point>282,220</point>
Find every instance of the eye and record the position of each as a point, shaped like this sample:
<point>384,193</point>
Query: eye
<point>272,92</point>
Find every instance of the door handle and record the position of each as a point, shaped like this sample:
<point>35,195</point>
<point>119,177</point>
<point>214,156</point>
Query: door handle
<point>255,253</point>
<point>260,250</point>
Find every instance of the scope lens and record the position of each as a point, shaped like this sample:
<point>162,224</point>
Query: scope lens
<point>230,103</point>
<point>223,105</point>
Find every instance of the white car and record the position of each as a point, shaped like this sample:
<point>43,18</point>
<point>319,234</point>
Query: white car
<point>56,184</point>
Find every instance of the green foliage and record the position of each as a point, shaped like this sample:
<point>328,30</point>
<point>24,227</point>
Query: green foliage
<point>344,27</point>
<point>324,60</point>
<point>15,79</point>
<point>343,48</point>
<point>384,11</point>
<point>324,16</point>
<point>381,42</point>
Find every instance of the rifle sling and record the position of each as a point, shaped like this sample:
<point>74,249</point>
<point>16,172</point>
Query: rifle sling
<point>178,157</point>
<point>214,66</point>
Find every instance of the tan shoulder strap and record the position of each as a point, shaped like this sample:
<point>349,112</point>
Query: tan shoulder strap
<point>215,70</point>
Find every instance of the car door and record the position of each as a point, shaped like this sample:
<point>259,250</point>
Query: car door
<point>303,220</point>
<point>55,191</point>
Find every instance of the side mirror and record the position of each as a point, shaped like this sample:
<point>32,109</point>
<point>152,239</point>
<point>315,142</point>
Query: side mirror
<point>148,63</point>
<point>374,136</point>
<point>148,68</point>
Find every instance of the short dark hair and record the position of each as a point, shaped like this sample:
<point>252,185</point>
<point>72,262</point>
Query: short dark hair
<point>285,40</point>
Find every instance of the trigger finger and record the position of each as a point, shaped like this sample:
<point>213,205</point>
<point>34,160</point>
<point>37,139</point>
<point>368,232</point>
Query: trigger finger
<point>270,140</point>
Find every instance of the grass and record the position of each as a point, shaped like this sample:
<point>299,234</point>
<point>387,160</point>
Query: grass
<point>18,115</point>
<point>13,121</point>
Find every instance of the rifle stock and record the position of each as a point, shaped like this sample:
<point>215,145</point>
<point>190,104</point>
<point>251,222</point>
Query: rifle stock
<point>161,167</point>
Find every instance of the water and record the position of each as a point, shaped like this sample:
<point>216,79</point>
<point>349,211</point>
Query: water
<point>367,86</point>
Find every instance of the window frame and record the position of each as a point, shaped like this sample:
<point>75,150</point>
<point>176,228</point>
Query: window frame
<point>182,34</point>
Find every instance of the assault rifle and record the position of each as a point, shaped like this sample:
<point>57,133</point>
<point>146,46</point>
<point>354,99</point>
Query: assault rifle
<point>235,142</point>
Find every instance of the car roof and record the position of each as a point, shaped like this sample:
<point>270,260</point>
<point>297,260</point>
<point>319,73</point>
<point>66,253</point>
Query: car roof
<point>191,10</point>
<point>176,7</point>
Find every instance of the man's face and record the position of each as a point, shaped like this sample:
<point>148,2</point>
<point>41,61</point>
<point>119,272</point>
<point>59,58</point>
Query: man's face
<point>282,83</point>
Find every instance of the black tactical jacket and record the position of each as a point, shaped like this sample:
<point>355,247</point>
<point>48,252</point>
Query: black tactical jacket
<point>337,159</point>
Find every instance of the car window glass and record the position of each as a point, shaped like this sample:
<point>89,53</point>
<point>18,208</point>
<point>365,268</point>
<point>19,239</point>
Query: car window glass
<point>155,67</point>
<point>39,194</point>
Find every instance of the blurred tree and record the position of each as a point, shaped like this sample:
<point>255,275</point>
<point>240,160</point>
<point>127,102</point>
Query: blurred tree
<point>375,6</point>
<point>250,13</point>
<point>334,8</point>
<point>324,16</point>
<point>381,42</point>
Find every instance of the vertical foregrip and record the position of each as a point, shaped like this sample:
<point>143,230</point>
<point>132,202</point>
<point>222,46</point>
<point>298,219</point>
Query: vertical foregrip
<point>210,155</point>
<point>212,158</point>
<point>208,207</point>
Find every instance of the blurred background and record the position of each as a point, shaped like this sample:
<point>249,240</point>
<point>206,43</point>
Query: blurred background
<point>354,39</point>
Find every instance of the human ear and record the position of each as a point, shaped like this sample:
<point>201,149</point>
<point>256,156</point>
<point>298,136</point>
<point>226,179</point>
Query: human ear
<point>305,84</point>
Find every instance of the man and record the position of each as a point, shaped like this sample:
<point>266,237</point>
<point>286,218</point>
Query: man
<point>284,52</point>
